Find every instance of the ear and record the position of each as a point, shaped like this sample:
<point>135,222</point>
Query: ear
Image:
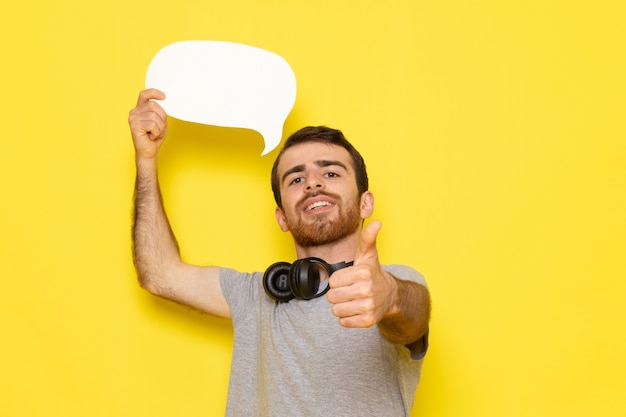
<point>367,204</point>
<point>282,221</point>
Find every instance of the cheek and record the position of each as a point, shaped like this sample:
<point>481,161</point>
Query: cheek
<point>290,197</point>
<point>281,220</point>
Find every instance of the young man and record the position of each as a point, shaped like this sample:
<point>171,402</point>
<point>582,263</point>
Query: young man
<point>355,350</point>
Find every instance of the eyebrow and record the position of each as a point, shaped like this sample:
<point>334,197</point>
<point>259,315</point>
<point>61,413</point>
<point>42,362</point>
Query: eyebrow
<point>321,164</point>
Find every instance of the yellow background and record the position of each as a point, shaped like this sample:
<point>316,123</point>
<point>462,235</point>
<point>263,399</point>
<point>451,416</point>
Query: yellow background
<point>495,139</point>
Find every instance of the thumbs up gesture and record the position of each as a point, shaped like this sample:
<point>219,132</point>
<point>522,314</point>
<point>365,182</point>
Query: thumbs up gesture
<point>363,294</point>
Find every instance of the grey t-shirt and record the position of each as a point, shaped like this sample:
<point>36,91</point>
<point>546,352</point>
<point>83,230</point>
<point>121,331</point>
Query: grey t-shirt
<point>294,359</point>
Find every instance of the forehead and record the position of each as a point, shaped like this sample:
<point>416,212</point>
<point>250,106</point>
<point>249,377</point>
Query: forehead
<point>309,152</point>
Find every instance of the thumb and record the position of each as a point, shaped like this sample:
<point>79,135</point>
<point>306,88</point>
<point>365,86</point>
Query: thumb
<point>367,244</point>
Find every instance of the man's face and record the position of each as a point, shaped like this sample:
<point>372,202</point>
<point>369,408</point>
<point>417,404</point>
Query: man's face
<point>319,194</point>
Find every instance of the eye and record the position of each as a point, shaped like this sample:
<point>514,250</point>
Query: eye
<point>332,174</point>
<point>296,181</point>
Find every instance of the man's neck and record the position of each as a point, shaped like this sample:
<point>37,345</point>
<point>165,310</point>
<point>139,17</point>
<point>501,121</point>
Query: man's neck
<point>338,251</point>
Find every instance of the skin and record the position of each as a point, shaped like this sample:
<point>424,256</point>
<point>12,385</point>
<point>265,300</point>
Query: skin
<point>318,188</point>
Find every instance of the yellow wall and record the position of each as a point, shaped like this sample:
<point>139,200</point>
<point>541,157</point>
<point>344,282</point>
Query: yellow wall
<point>495,138</point>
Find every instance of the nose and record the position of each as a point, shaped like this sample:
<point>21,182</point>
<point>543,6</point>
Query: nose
<point>314,182</point>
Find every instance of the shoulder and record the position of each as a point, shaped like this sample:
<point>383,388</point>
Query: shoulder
<point>238,287</point>
<point>405,272</point>
<point>234,280</point>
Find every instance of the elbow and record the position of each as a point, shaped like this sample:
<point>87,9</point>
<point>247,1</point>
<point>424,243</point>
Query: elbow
<point>148,283</point>
<point>145,282</point>
<point>159,281</point>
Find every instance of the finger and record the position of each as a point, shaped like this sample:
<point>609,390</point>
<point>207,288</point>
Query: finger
<point>147,111</point>
<point>367,243</point>
<point>354,314</point>
<point>360,321</point>
<point>149,123</point>
<point>150,94</point>
<point>154,128</point>
<point>337,279</point>
<point>154,107</point>
<point>345,285</point>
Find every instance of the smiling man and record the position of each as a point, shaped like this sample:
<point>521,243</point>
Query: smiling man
<point>318,200</point>
<point>353,350</point>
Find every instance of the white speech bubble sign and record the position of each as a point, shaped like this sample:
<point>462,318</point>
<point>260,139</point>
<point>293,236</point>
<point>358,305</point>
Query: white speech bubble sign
<point>225,84</point>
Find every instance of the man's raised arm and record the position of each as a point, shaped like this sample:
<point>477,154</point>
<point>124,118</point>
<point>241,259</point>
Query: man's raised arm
<point>155,251</point>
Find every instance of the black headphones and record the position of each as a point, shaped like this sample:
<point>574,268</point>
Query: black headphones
<point>283,281</point>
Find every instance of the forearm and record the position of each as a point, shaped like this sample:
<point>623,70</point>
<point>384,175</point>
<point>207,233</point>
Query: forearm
<point>407,320</point>
<point>155,250</point>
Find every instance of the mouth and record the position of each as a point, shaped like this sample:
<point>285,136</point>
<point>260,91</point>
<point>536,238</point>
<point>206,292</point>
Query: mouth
<point>318,204</point>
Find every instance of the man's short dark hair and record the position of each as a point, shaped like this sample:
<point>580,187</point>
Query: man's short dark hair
<point>321,134</point>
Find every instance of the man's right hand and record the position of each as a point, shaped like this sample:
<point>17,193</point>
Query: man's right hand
<point>148,125</point>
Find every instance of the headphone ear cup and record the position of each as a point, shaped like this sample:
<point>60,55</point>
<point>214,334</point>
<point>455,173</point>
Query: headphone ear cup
<point>304,278</point>
<point>276,282</point>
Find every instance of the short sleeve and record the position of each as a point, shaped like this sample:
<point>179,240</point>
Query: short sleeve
<point>241,290</point>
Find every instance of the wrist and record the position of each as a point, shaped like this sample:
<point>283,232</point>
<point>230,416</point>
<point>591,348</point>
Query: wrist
<point>394,297</point>
<point>145,164</point>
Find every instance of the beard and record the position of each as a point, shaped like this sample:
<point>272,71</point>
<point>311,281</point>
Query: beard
<point>324,229</point>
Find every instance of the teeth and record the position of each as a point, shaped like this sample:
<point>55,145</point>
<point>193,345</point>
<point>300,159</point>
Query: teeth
<point>318,204</point>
